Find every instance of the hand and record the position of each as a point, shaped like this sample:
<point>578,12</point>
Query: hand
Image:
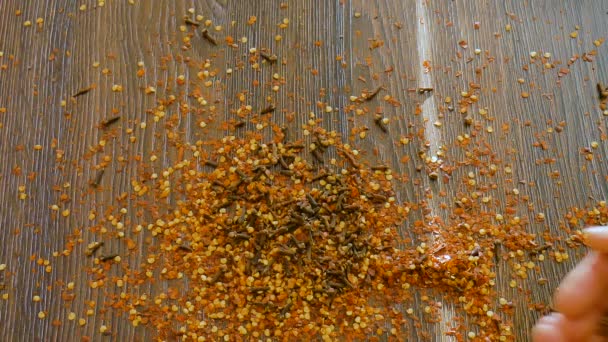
<point>580,300</point>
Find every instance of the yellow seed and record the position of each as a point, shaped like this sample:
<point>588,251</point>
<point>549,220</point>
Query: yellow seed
<point>81,321</point>
<point>71,316</point>
<point>27,23</point>
<point>65,213</point>
<point>36,298</point>
<point>574,34</point>
<point>2,267</point>
<point>41,315</point>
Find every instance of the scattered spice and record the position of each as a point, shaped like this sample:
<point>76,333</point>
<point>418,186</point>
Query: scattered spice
<point>208,37</point>
<point>423,90</point>
<point>191,22</point>
<point>370,96</point>
<point>251,238</point>
<point>271,58</point>
<point>271,108</point>
<point>379,121</point>
<point>109,122</point>
<point>109,257</point>
<point>211,163</point>
<point>602,91</point>
<point>93,247</point>
<point>83,91</point>
<point>98,178</point>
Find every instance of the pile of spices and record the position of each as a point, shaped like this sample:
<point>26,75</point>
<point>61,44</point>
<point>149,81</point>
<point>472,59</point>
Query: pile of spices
<point>263,237</point>
<point>263,241</point>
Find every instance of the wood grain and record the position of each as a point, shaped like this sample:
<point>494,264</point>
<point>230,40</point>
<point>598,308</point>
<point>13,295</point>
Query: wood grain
<point>42,66</point>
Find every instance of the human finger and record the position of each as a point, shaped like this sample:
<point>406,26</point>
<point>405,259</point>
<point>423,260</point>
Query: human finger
<point>548,329</point>
<point>559,328</point>
<point>583,287</point>
<point>597,238</point>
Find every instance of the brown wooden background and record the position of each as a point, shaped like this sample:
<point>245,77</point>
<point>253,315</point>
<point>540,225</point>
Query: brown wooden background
<point>42,66</point>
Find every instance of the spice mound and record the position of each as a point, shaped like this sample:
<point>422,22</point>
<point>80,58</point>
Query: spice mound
<point>262,241</point>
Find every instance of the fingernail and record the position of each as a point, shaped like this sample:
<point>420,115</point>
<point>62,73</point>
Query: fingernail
<point>596,230</point>
<point>596,238</point>
<point>546,333</point>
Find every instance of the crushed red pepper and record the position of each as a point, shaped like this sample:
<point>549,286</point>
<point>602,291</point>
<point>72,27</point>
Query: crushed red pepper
<point>255,237</point>
<point>265,240</point>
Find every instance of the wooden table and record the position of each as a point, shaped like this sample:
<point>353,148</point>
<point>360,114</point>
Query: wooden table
<point>330,45</point>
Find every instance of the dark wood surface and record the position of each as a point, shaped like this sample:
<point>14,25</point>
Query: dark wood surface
<point>41,66</point>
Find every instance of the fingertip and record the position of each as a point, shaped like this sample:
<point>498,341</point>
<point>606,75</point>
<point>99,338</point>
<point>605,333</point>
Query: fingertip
<point>547,329</point>
<point>596,238</point>
<point>583,287</point>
